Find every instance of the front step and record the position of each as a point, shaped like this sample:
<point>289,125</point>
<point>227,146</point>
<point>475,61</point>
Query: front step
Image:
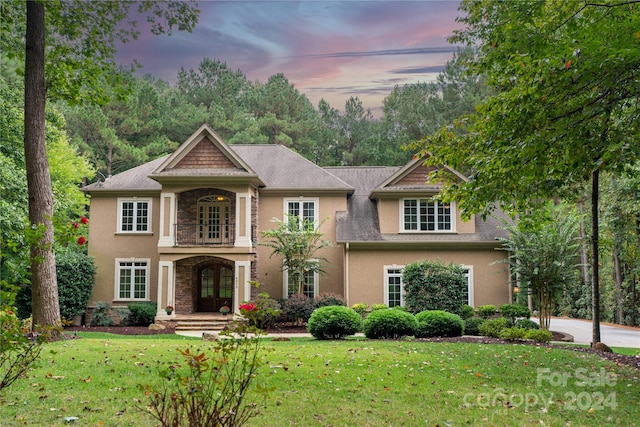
<point>202,325</point>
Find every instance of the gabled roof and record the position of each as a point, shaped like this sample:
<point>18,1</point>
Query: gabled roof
<point>135,179</point>
<point>413,177</point>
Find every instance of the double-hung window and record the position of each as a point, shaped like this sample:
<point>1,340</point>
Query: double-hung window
<point>134,215</point>
<point>305,210</point>
<point>309,284</point>
<point>132,279</point>
<point>427,215</point>
<point>393,289</point>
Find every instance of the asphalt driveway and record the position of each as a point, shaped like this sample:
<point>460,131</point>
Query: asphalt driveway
<point>613,336</point>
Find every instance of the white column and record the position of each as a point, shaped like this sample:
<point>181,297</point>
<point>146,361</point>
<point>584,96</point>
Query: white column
<point>165,296</point>
<point>167,219</point>
<point>242,290</point>
<point>243,220</point>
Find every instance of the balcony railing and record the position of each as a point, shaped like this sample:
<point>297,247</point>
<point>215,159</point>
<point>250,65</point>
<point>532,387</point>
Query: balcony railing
<point>204,234</point>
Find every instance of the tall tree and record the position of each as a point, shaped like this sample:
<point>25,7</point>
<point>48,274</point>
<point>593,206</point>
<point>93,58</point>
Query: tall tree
<point>568,82</point>
<point>80,44</point>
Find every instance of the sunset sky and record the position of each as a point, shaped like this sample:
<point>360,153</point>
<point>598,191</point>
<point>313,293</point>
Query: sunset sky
<point>327,49</point>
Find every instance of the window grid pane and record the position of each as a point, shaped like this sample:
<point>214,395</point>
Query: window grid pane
<point>426,215</point>
<point>132,280</point>
<point>127,216</point>
<point>142,214</point>
<point>394,282</point>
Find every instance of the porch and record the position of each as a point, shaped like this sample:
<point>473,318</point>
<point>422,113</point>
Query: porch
<point>201,321</point>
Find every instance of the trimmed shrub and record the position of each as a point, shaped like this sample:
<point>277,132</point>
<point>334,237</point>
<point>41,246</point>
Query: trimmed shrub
<point>527,324</point>
<point>360,308</point>
<point>100,315</point>
<point>75,272</point>
<point>432,285</point>
<point>141,313</point>
<point>324,300</point>
<point>472,325</point>
<point>486,311</point>
<point>492,327</point>
<point>512,334</point>
<point>438,323</point>
<point>467,312</point>
<point>389,324</point>
<point>265,313</point>
<point>512,312</point>
<point>538,335</point>
<point>401,308</point>
<point>379,306</point>
<point>334,322</point>
<point>297,308</point>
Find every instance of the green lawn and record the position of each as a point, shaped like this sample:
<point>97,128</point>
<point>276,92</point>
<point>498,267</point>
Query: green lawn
<point>355,382</point>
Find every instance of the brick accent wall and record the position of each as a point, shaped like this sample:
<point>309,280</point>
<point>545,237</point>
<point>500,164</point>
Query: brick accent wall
<point>205,155</point>
<point>187,281</point>
<point>188,204</point>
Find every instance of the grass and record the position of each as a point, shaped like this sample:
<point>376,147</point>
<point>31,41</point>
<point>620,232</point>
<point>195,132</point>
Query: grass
<point>354,382</point>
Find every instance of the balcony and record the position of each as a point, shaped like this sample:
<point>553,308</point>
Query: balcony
<point>204,235</point>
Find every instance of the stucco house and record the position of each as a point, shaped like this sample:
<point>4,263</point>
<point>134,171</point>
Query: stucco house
<point>182,230</point>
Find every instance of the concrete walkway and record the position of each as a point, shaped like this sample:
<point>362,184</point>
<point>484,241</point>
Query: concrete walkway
<point>613,336</point>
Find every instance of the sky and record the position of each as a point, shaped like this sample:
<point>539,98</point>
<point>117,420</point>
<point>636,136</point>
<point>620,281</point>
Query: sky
<point>326,49</point>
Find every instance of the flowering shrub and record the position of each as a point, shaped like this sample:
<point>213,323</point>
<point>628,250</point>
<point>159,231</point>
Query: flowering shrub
<point>261,312</point>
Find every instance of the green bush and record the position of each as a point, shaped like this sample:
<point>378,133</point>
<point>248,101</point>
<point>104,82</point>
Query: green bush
<point>141,313</point>
<point>297,308</point>
<point>266,311</point>
<point>492,327</point>
<point>324,300</point>
<point>379,306</point>
<point>334,322</point>
<point>512,312</point>
<point>527,324</point>
<point>432,285</point>
<point>360,308</point>
<point>401,308</point>
<point>389,324</point>
<point>467,312</point>
<point>538,335</point>
<point>512,334</point>
<point>472,325</point>
<point>486,311</point>
<point>438,323</point>
<point>101,314</point>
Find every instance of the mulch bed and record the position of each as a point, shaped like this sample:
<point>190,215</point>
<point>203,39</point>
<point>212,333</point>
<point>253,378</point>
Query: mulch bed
<point>619,359</point>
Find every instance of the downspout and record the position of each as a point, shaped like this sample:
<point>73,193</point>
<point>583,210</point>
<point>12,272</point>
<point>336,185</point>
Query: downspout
<point>346,273</point>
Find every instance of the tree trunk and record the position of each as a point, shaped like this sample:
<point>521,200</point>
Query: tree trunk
<point>584,255</point>
<point>618,276</point>
<point>44,294</point>
<point>595,268</point>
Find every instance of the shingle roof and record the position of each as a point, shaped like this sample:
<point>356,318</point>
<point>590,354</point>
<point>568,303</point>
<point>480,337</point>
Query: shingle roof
<point>132,179</point>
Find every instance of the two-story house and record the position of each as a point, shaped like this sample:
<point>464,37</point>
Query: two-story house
<point>182,230</point>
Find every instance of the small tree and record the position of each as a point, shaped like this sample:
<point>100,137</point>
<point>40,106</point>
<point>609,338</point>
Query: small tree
<point>432,285</point>
<point>543,255</point>
<point>297,242</point>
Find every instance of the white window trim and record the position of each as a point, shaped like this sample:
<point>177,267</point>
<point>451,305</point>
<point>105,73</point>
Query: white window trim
<point>316,207</point>
<point>285,288</point>
<point>386,283</point>
<point>469,284</point>
<point>149,201</point>
<point>401,218</point>
<point>117,279</point>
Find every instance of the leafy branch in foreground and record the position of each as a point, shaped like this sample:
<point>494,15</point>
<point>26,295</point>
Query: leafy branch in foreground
<point>209,389</point>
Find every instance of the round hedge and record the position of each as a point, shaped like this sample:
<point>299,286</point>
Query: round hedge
<point>334,322</point>
<point>438,323</point>
<point>472,325</point>
<point>389,323</point>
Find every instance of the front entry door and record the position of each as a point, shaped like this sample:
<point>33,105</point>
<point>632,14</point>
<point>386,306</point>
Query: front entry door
<point>215,287</point>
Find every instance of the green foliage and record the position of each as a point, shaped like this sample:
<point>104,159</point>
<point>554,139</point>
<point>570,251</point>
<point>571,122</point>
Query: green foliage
<point>76,275</point>
<point>512,334</point>
<point>360,308</point>
<point>512,312</point>
<point>334,322</point>
<point>265,313</point>
<point>19,349</point>
<point>438,323</point>
<point>101,314</point>
<point>493,327</point>
<point>486,311</point>
<point>141,313</point>
<point>538,335</point>
<point>379,306</point>
<point>297,308</point>
<point>386,323</point>
<point>327,299</point>
<point>467,312</point>
<point>208,388</point>
<point>526,324</point>
<point>472,325</point>
<point>297,242</point>
<point>432,285</point>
